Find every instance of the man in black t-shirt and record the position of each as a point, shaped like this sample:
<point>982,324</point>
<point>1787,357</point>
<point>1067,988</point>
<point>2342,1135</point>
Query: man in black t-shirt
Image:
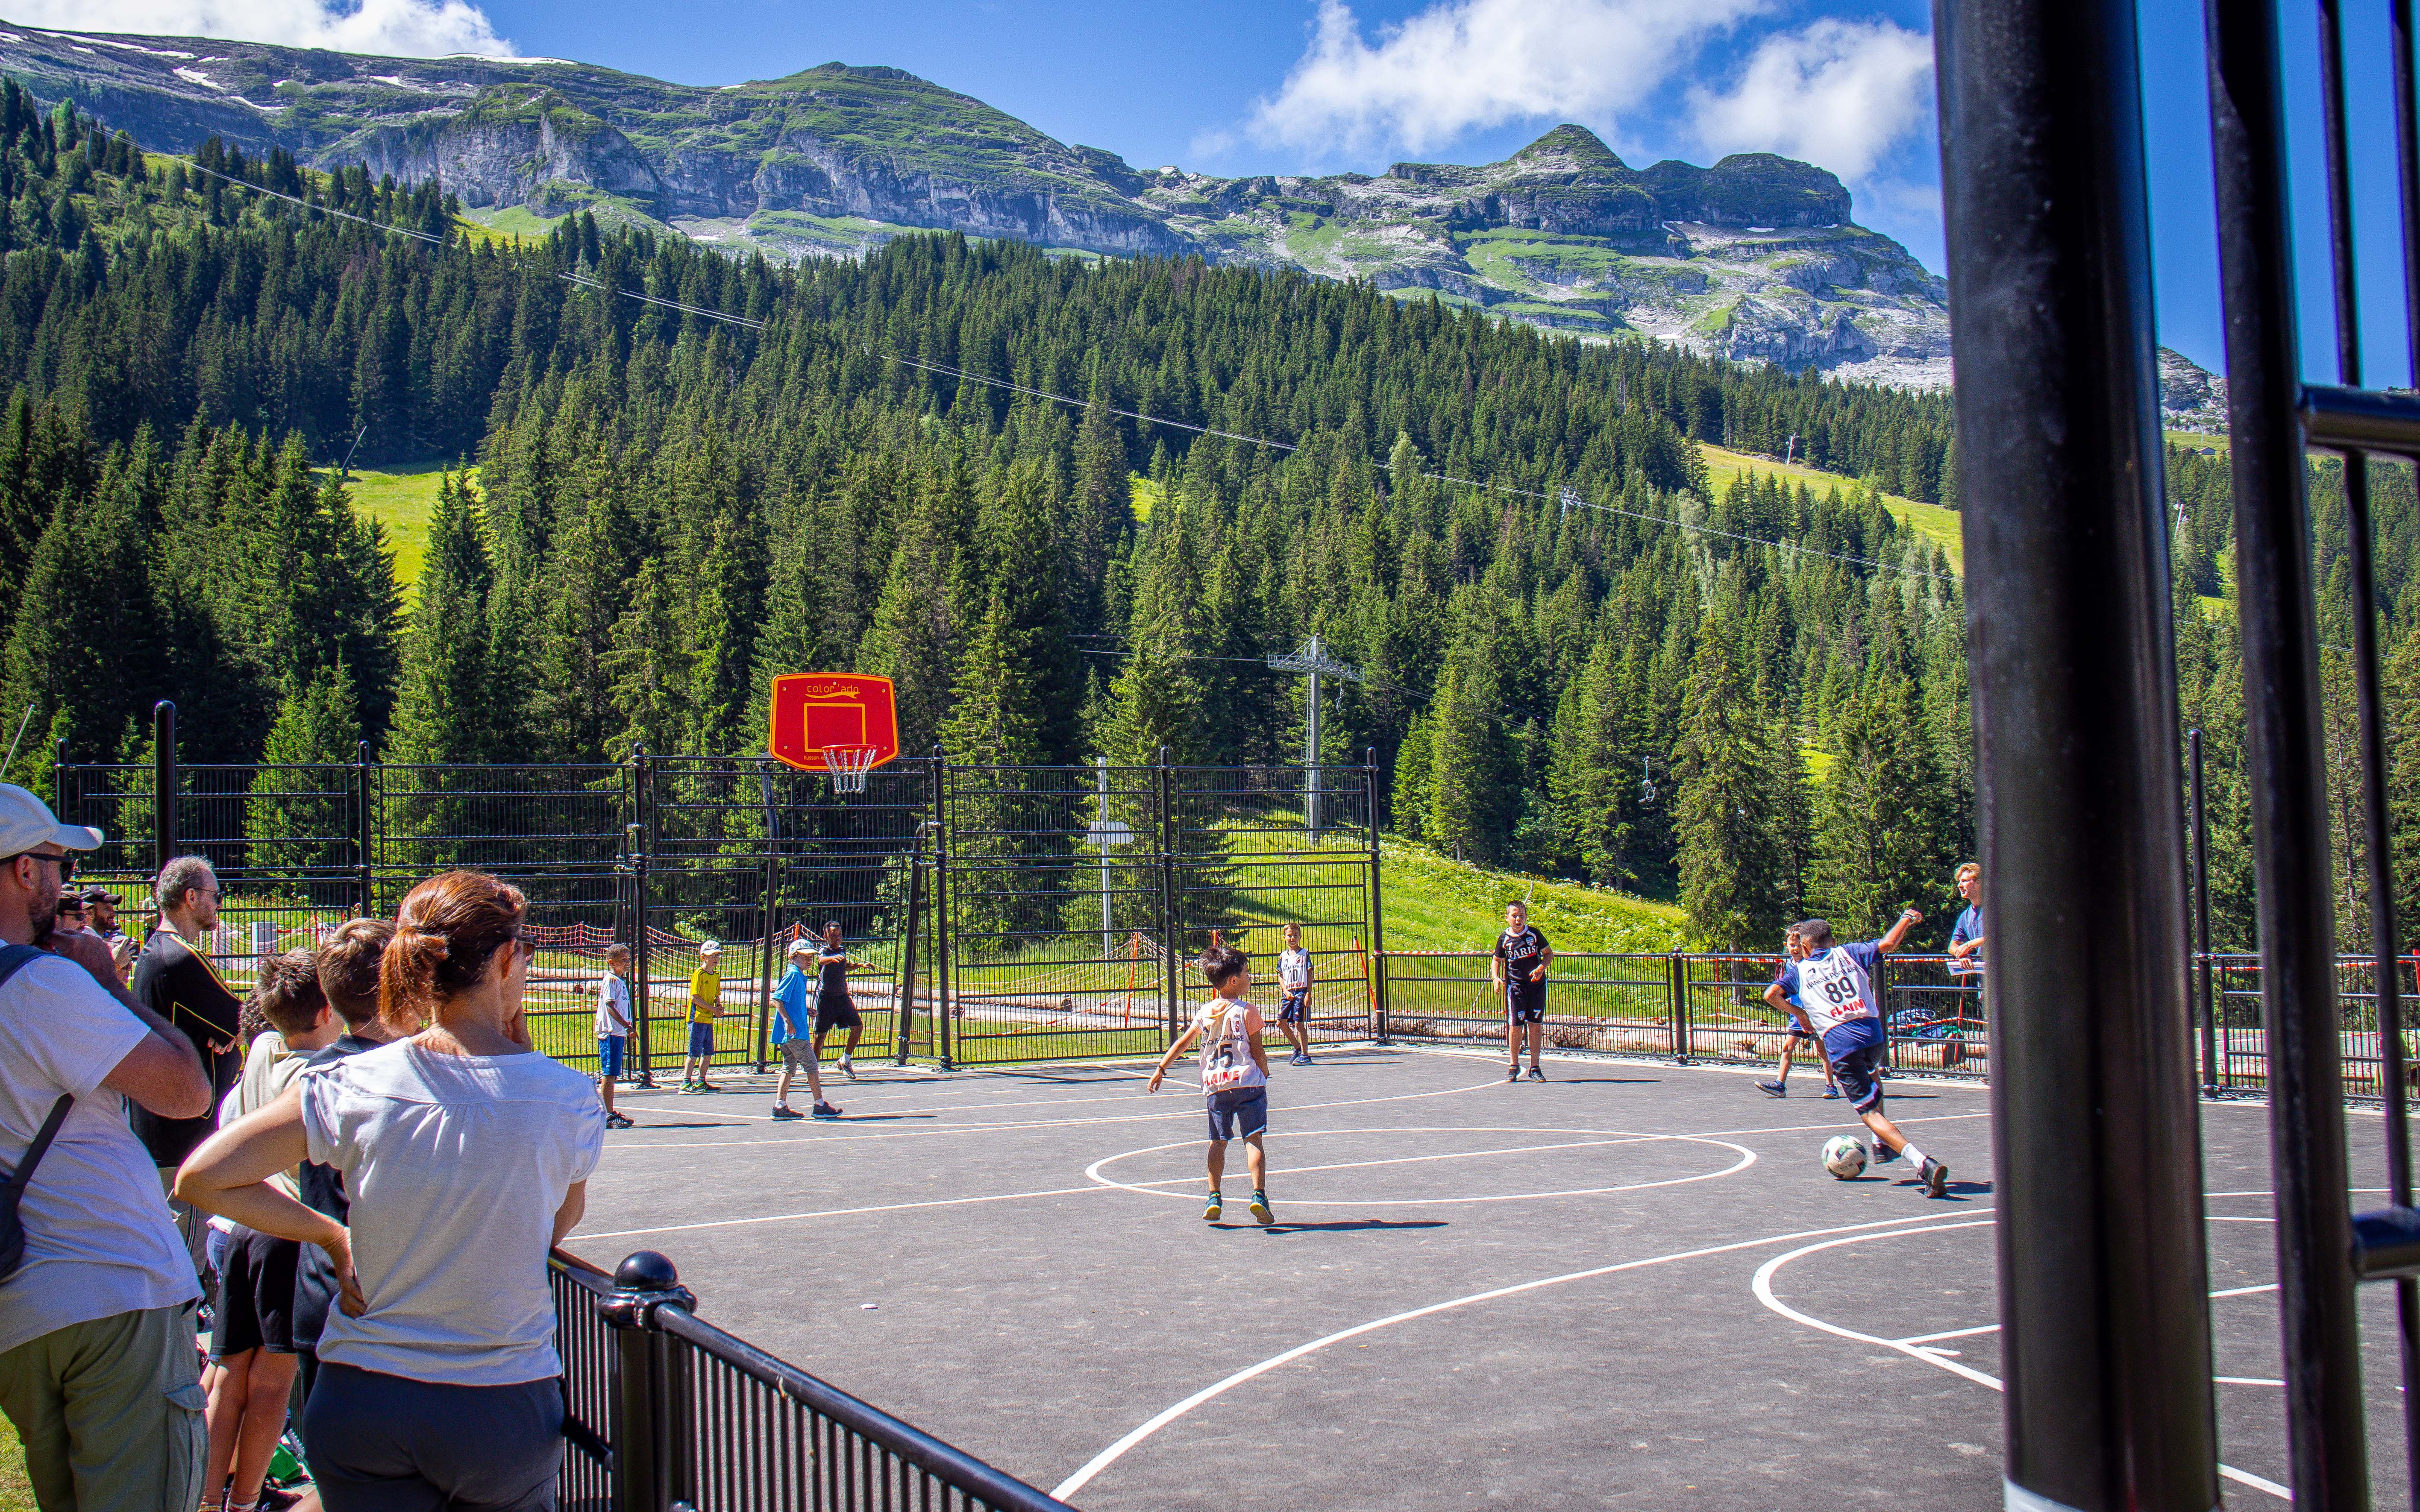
<point>1519,972</point>
<point>176,980</point>
<point>835,1008</point>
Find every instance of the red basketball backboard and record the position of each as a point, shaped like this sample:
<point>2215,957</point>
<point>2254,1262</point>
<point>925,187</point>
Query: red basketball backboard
<point>815,711</point>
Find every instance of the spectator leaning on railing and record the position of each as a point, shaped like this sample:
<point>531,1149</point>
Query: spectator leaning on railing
<point>466,1155</point>
<point>96,1364</point>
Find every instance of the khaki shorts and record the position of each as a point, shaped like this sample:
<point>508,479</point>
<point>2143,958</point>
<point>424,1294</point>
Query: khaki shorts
<point>799,1052</point>
<point>111,1414</point>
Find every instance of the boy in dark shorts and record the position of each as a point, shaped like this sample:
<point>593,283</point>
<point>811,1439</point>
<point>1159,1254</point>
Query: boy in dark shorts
<point>1235,1075</point>
<point>1834,989</point>
<point>1519,973</point>
<point>835,1008</point>
<point>1294,1006</point>
<point>252,1340</point>
<point>1795,1031</point>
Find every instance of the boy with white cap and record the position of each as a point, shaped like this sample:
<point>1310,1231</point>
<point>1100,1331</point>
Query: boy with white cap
<point>704,1006</point>
<point>794,1034</point>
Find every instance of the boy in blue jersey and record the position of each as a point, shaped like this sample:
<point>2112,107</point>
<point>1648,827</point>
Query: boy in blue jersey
<point>1794,950</point>
<point>1832,991</point>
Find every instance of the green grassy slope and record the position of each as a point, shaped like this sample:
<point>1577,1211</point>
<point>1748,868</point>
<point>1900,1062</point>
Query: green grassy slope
<point>1934,523</point>
<point>401,499</point>
<point>1434,903</point>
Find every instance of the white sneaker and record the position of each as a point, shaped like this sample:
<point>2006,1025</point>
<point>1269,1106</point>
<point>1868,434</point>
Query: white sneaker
<point>847,1070</point>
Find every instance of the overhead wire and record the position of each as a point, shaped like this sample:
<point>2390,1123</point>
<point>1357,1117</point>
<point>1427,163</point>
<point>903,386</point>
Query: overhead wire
<point>1566,499</point>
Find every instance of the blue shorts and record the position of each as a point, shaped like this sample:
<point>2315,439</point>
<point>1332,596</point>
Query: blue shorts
<point>609,1054</point>
<point>1858,1074</point>
<point>1239,1114</point>
<point>701,1039</point>
<point>1294,1008</point>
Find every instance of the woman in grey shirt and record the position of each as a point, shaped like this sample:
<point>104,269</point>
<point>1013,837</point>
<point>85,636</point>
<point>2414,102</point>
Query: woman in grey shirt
<point>466,1155</point>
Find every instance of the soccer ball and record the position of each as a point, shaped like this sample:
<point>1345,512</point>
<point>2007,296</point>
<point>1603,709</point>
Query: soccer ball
<point>1844,1156</point>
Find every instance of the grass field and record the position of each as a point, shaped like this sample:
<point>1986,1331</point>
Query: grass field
<point>1935,524</point>
<point>401,499</point>
<point>16,1493</point>
<point>1434,903</point>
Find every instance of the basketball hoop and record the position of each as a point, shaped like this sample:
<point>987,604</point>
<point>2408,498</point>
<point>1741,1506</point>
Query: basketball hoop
<point>848,767</point>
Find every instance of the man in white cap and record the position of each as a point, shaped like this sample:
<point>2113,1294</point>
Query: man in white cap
<point>97,1370</point>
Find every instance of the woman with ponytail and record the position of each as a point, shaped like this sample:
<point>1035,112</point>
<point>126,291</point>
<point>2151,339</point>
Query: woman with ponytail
<point>466,1155</point>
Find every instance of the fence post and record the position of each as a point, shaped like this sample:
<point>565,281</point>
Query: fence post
<point>1168,975</point>
<point>59,782</point>
<point>163,784</point>
<point>1378,903</point>
<point>2201,979</point>
<point>772,887</point>
<point>1678,976</point>
<point>640,1028</point>
<point>945,1014</point>
<point>365,829</point>
<point>903,995</point>
<point>650,1387</point>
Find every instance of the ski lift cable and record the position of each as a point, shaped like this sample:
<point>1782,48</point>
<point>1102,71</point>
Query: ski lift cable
<point>1566,499</point>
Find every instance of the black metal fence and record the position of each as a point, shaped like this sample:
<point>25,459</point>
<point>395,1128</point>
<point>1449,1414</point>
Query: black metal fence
<point>1001,913</point>
<point>665,1412</point>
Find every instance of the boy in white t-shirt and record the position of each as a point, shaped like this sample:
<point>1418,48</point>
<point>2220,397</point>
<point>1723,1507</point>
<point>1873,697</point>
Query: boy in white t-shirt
<point>1293,1007</point>
<point>1235,1074</point>
<point>612,1028</point>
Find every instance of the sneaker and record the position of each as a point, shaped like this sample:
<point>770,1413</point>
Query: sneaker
<point>708,1087</point>
<point>615,1120</point>
<point>1211,1209</point>
<point>1933,1179</point>
<point>847,1070</point>
<point>826,1110</point>
<point>1773,1089</point>
<point>784,1110</point>
<point>1512,1073</point>
<point>1884,1154</point>
<point>1298,1058</point>
<point>1831,1094</point>
<point>1537,1075</point>
<point>1261,1213</point>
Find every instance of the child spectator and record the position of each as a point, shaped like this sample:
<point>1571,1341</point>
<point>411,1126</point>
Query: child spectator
<point>612,1028</point>
<point>252,1340</point>
<point>704,1006</point>
<point>1235,1075</point>
<point>348,973</point>
<point>1293,1007</point>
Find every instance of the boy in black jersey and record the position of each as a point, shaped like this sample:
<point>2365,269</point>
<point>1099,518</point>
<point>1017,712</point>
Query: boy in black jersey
<point>835,1008</point>
<point>1519,972</point>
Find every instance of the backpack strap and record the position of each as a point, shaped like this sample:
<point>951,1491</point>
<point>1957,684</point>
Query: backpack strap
<point>14,959</point>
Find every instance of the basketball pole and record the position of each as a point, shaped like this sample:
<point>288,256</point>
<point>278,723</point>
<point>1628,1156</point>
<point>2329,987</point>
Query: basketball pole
<point>2097,1178</point>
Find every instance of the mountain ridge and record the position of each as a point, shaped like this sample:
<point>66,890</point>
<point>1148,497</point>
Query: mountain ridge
<point>1755,257</point>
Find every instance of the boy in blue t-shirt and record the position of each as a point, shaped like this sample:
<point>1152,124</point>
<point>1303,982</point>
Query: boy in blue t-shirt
<point>1835,983</point>
<point>792,1033</point>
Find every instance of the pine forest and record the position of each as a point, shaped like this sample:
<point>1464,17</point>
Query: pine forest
<point>1581,657</point>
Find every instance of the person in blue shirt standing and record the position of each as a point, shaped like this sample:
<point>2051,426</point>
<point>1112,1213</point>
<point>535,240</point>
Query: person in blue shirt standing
<point>1832,991</point>
<point>1966,935</point>
<point>793,1033</point>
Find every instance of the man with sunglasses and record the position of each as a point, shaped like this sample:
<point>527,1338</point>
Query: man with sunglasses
<point>174,979</point>
<point>97,1363</point>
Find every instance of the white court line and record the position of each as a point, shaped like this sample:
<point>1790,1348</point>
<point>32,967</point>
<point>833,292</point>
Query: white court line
<point>843,1213</point>
<point>2245,1380</point>
<point>985,1107</point>
<point>1114,1452</point>
<point>1747,1158</point>
<point>1762,1286</point>
<point>1403,1160</point>
<point>1993,1328</point>
<point>1189,1111</point>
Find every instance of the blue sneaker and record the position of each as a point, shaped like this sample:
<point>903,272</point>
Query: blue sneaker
<point>1211,1209</point>
<point>1831,1094</point>
<point>1773,1088</point>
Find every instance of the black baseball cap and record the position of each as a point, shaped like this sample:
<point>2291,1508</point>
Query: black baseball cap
<point>101,895</point>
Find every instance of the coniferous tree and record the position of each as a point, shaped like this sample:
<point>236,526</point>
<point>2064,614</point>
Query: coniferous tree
<point>442,704</point>
<point>1731,808</point>
<point>1882,825</point>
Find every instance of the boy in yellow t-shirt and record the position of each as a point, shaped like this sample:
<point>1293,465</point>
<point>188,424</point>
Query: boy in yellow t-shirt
<point>704,1006</point>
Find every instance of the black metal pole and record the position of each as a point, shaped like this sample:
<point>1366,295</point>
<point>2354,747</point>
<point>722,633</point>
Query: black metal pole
<point>163,784</point>
<point>772,889</point>
<point>1377,902</point>
<point>2278,617</point>
<point>640,829</point>
<point>944,1011</point>
<point>903,993</point>
<point>2105,1331</point>
<point>2209,1008</point>
<point>365,831</point>
<point>1169,980</point>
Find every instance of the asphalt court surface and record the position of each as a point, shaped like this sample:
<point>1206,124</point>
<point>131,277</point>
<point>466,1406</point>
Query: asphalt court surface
<point>1632,1285</point>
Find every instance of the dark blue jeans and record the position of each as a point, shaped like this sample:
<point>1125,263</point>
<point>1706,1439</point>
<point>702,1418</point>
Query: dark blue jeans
<point>383,1443</point>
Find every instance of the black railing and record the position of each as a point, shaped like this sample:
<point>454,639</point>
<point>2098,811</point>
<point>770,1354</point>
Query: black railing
<point>664,1412</point>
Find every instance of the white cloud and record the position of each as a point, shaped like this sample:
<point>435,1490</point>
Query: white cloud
<point>1462,65</point>
<point>1838,94</point>
<point>409,28</point>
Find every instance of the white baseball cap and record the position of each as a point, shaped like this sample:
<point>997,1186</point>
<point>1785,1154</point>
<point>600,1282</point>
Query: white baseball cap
<point>710,948</point>
<point>802,948</point>
<point>26,820</point>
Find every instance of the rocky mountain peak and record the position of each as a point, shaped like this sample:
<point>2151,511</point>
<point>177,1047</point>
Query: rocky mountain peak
<point>1568,149</point>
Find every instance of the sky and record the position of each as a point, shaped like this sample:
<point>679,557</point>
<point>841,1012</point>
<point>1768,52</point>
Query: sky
<point>1327,85</point>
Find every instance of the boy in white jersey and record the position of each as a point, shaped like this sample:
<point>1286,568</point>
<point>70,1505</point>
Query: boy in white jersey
<point>612,1029</point>
<point>1834,988</point>
<point>1235,1074</point>
<point>1294,1007</point>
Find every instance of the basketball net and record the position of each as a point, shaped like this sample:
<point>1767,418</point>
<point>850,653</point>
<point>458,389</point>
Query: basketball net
<point>848,767</point>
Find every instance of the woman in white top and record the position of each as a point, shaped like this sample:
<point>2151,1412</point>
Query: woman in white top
<point>466,1154</point>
